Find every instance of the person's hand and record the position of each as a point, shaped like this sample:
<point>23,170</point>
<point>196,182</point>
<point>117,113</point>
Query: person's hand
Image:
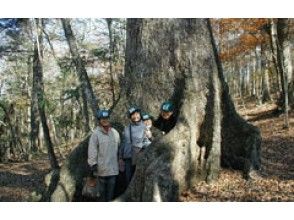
<point>91,181</point>
<point>94,167</point>
<point>148,134</point>
<point>93,171</point>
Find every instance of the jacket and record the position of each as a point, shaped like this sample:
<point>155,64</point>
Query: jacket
<point>103,150</point>
<point>137,140</point>
<point>165,125</point>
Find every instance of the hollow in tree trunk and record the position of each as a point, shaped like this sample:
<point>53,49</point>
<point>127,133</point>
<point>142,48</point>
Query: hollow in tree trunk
<point>175,59</point>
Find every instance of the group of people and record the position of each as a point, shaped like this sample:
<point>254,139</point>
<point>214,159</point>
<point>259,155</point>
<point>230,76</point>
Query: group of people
<point>108,155</point>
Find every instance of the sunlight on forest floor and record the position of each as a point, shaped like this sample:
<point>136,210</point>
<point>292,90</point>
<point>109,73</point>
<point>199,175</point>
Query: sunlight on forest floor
<point>277,171</point>
<point>19,180</point>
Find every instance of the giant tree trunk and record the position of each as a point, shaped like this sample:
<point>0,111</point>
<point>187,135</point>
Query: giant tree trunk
<point>81,70</point>
<point>178,59</point>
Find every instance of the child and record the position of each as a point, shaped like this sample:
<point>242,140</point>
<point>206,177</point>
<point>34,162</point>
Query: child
<point>147,119</point>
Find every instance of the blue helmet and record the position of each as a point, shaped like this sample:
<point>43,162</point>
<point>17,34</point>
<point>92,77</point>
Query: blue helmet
<point>103,113</point>
<point>132,110</point>
<point>146,116</point>
<point>167,106</point>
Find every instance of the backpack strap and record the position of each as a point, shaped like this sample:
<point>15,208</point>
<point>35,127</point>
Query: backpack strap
<point>131,136</point>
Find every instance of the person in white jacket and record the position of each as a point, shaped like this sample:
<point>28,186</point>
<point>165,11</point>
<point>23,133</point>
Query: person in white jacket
<point>103,155</point>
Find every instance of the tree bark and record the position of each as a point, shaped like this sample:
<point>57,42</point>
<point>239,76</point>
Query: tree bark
<point>265,92</point>
<point>39,89</point>
<point>85,111</point>
<point>14,148</point>
<point>111,54</point>
<point>81,70</point>
<point>288,56</point>
<point>282,44</point>
<point>178,58</point>
<point>34,116</point>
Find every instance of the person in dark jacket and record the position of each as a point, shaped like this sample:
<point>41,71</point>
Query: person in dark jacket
<point>167,119</point>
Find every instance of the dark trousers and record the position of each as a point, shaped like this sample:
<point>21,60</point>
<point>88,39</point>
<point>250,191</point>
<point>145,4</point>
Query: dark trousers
<point>129,169</point>
<point>106,187</point>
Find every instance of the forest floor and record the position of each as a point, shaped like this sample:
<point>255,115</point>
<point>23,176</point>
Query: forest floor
<point>276,179</point>
<point>276,183</point>
<point>18,180</point>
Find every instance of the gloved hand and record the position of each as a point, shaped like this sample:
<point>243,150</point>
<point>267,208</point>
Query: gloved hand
<point>93,171</point>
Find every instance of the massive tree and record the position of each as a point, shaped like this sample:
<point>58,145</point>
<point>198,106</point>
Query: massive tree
<point>177,60</point>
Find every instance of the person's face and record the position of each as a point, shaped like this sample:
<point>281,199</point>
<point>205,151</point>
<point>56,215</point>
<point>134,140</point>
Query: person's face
<point>166,115</point>
<point>148,122</point>
<point>135,117</point>
<point>104,122</point>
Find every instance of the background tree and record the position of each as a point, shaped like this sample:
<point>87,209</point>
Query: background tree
<point>39,89</point>
<point>80,67</point>
<point>111,54</point>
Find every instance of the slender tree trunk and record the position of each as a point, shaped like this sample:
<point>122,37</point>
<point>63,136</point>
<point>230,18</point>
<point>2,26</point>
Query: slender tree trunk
<point>258,74</point>
<point>273,44</point>
<point>265,87</point>
<point>73,128</point>
<point>282,43</point>
<point>85,111</point>
<point>247,80</point>
<point>253,78</point>
<point>111,55</point>
<point>291,91</point>
<point>14,146</point>
<point>288,56</point>
<point>83,92</point>
<point>53,129</point>
<point>278,39</point>
<point>41,139</point>
<point>179,58</point>
<point>34,116</point>
<point>265,91</point>
<point>81,70</point>
<point>38,77</point>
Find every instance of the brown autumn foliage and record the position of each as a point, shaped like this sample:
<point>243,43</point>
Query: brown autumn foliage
<point>248,33</point>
